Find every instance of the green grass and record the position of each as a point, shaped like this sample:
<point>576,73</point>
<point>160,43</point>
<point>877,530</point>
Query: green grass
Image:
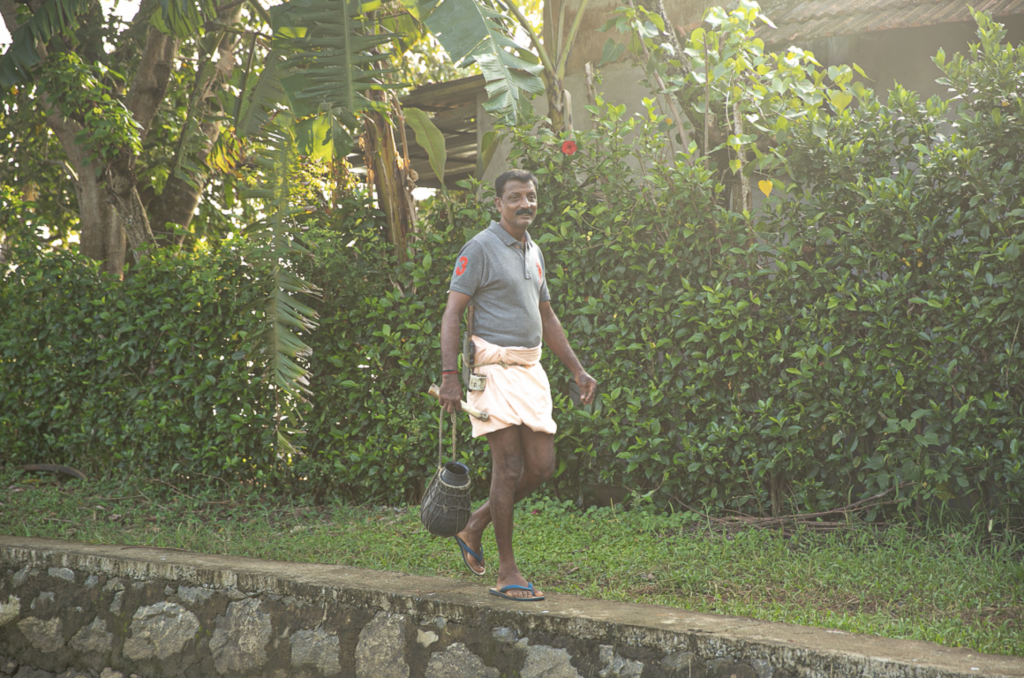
<point>945,585</point>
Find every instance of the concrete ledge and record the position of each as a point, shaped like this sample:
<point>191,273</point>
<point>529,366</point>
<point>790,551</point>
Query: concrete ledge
<point>156,612</point>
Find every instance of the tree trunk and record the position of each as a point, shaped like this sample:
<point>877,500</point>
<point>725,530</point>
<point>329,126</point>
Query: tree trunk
<point>100,234</point>
<point>176,205</point>
<point>386,175</point>
<point>556,102</point>
<point>101,237</point>
<point>123,194</point>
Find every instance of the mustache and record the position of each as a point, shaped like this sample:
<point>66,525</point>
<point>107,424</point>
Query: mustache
<point>524,211</point>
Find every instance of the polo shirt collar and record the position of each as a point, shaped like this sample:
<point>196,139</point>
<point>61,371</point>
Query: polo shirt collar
<point>508,239</point>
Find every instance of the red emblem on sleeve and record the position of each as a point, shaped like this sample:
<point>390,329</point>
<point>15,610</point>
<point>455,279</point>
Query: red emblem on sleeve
<point>461,268</point>
<point>540,272</point>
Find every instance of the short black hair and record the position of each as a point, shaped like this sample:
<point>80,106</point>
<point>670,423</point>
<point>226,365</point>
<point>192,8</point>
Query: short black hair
<point>514,175</point>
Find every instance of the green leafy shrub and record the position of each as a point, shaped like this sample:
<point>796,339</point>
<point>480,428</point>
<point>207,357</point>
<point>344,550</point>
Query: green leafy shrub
<point>145,375</point>
<point>857,336</point>
<point>372,431</point>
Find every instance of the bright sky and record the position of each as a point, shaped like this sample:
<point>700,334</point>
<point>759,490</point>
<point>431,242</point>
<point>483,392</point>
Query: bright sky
<point>125,9</point>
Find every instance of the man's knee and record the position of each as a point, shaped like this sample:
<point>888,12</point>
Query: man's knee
<point>543,471</point>
<point>507,466</point>
<point>540,457</point>
<point>506,453</point>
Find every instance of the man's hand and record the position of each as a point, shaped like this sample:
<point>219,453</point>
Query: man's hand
<point>588,387</point>
<point>451,393</point>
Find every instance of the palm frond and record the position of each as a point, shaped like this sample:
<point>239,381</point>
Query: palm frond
<point>184,18</point>
<point>470,31</point>
<point>261,101</point>
<point>325,56</point>
<point>54,17</point>
<point>332,52</point>
<point>276,244</point>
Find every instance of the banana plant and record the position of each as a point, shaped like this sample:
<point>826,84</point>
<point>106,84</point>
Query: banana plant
<point>54,17</point>
<point>471,31</point>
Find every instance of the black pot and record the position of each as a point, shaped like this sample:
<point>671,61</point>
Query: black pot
<point>445,508</point>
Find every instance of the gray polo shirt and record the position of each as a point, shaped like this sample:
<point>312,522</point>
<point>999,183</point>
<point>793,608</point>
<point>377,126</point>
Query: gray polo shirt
<point>507,280</point>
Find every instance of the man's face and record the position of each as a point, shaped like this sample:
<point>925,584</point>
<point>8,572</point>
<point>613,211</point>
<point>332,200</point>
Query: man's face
<point>518,204</point>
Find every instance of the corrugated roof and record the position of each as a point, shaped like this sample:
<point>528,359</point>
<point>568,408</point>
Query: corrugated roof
<point>802,21</point>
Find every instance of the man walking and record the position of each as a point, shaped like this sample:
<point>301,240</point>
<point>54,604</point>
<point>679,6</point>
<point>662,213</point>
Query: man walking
<point>501,272</point>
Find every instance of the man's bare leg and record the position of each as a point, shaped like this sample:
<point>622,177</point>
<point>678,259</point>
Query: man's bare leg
<point>522,461</point>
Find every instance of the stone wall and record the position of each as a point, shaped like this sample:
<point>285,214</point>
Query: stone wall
<point>71,609</point>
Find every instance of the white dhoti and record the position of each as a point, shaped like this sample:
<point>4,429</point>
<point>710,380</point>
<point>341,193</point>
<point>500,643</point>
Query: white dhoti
<point>517,390</point>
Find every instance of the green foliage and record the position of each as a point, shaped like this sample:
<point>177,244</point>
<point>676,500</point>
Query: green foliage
<point>471,31</point>
<point>857,337</point>
<point>430,138</point>
<point>275,245</point>
<point>146,376</point>
<point>854,337</point>
<point>54,17</point>
<point>371,434</point>
<point>74,87</point>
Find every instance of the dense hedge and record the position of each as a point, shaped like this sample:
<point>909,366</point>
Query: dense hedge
<point>144,375</point>
<point>859,333</point>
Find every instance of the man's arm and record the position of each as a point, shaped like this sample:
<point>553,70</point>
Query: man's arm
<point>451,390</point>
<point>554,337</point>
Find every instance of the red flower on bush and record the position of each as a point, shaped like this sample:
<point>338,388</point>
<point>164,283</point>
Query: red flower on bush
<point>569,147</point>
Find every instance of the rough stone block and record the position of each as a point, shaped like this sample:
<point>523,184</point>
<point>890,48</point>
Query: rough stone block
<point>73,673</point>
<point>547,662</point>
<point>160,631</point>
<point>239,642</point>
<point>26,672</point>
<point>318,649</point>
<point>24,573</point>
<point>46,635</point>
<point>194,595</point>
<point>93,639</point>
<point>426,638</point>
<point>726,668</point>
<point>762,668</point>
<point>684,665</point>
<point>43,599</point>
<point>617,667</point>
<point>10,610</point>
<point>380,652</point>
<point>236,595</point>
<point>504,635</point>
<point>457,660</point>
<point>64,573</point>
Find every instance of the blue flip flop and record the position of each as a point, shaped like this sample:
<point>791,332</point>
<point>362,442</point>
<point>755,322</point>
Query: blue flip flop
<point>501,593</point>
<point>464,549</point>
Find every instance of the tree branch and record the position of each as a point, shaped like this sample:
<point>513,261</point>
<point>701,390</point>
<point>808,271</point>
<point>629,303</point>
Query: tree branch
<point>9,13</point>
<point>149,86</point>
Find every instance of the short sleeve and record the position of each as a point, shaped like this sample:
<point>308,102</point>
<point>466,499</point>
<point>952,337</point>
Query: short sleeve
<point>544,294</point>
<point>469,269</point>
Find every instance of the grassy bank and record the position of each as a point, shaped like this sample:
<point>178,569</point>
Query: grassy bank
<point>949,586</point>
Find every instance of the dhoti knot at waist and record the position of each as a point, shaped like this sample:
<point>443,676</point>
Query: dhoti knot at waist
<point>517,389</point>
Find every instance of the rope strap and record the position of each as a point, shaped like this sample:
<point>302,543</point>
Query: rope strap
<point>440,438</point>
